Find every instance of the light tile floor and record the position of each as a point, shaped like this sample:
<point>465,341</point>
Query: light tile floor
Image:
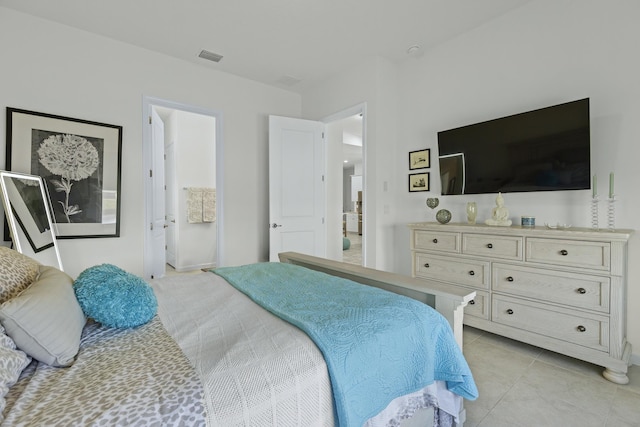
<point>353,255</point>
<point>522,385</point>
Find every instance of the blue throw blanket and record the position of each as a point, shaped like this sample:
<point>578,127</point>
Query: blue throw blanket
<point>377,345</point>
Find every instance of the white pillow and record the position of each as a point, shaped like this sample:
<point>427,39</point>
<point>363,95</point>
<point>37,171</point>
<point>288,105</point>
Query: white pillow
<point>46,321</point>
<point>12,362</point>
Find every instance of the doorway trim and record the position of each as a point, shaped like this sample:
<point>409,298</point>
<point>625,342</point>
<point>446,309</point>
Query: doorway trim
<point>148,103</point>
<point>360,108</point>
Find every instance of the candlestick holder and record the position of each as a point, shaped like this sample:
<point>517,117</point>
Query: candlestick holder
<point>594,212</point>
<point>611,212</point>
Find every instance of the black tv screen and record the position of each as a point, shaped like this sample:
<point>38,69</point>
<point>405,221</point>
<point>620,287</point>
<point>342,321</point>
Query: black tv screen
<point>540,150</point>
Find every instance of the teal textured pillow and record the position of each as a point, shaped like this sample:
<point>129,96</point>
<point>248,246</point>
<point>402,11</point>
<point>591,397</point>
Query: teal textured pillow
<point>114,297</point>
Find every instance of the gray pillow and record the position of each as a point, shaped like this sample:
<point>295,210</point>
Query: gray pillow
<point>45,320</point>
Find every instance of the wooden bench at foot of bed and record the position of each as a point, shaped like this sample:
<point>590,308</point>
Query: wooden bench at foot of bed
<point>445,299</point>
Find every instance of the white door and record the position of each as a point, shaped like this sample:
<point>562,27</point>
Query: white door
<point>158,223</point>
<point>296,187</point>
<point>170,204</point>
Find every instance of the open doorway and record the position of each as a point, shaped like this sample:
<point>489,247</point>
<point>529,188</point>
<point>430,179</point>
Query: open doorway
<point>346,204</point>
<point>182,151</point>
<point>352,189</point>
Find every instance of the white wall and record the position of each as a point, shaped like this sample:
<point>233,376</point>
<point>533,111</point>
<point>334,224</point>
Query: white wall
<point>373,83</point>
<point>195,167</point>
<point>545,53</point>
<point>51,68</point>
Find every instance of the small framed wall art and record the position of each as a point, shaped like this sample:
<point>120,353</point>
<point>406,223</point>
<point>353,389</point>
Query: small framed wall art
<point>420,159</point>
<point>418,182</point>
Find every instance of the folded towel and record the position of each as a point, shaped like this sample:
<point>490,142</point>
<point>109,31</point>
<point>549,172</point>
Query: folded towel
<point>209,205</point>
<point>194,205</point>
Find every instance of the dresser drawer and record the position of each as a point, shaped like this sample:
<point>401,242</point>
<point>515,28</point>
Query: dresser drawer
<point>479,306</point>
<point>458,271</point>
<point>505,247</point>
<point>436,241</point>
<point>576,290</point>
<point>570,253</point>
<point>590,331</point>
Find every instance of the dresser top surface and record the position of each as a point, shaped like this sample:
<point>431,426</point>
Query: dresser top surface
<point>517,230</point>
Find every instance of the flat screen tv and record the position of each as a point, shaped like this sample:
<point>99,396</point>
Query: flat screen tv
<point>540,150</point>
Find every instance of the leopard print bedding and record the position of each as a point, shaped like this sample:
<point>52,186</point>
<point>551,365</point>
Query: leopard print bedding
<point>122,377</point>
<point>17,272</point>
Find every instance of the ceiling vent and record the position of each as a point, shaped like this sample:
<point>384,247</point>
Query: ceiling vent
<point>205,54</point>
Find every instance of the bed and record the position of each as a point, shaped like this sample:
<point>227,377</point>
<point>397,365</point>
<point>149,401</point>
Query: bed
<point>213,356</point>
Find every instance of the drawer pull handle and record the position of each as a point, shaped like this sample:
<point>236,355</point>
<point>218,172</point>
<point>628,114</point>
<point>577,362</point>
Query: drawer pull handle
<point>435,240</point>
<point>564,252</point>
<point>509,279</point>
<point>582,328</point>
<point>582,291</point>
<point>472,273</point>
<point>472,302</point>
<point>427,265</point>
<point>509,311</point>
<point>489,245</point>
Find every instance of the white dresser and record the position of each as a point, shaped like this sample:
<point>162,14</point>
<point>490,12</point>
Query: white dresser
<point>563,290</point>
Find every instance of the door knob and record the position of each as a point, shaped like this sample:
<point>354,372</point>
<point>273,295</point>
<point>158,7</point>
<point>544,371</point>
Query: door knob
<point>274,225</point>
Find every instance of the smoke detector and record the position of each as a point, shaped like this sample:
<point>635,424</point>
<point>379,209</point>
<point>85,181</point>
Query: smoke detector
<point>413,50</point>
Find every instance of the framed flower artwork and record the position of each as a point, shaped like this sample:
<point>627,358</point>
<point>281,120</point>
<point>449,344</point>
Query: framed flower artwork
<point>80,164</point>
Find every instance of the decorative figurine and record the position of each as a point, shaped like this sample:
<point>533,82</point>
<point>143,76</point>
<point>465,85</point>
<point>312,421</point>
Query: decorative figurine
<point>472,212</point>
<point>499,214</point>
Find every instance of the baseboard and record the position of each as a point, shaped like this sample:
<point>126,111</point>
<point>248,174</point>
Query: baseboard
<point>635,359</point>
<point>186,268</point>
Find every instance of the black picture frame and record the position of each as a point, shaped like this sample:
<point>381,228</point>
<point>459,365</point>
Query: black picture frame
<point>419,182</point>
<point>85,190</point>
<point>420,159</point>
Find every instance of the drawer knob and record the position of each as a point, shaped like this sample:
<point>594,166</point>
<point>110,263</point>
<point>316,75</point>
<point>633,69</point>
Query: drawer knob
<point>489,245</point>
<point>509,279</point>
<point>582,291</point>
<point>472,273</point>
<point>509,311</point>
<point>582,328</point>
<point>426,265</point>
<point>472,302</point>
<point>564,252</point>
<point>435,240</point>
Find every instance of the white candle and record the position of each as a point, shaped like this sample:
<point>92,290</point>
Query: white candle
<point>594,187</point>
<point>611,185</point>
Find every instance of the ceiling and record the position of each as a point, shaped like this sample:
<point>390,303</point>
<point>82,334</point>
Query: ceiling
<point>291,44</point>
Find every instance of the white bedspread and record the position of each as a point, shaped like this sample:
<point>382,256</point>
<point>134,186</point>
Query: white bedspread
<point>272,372</point>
